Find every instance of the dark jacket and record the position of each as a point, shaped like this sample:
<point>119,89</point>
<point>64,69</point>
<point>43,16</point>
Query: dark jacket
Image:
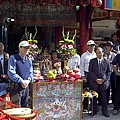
<point>94,73</point>
<point>5,69</point>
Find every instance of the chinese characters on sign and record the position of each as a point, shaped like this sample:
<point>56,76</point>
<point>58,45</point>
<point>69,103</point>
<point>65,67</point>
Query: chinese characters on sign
<point>58,101</point>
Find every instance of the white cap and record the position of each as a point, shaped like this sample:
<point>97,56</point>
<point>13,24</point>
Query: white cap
<point>90,42</point>
<point>24,44</point>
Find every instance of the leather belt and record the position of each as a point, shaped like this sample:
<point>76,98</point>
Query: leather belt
<point>16,86</point>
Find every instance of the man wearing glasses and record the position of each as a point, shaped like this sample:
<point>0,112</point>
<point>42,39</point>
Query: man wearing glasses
<point>20,72</point>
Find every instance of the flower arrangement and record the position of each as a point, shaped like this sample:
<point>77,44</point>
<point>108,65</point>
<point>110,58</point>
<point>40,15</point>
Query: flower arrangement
<point>89,93</point>
<point>34,50</point>
<point>67,47</point>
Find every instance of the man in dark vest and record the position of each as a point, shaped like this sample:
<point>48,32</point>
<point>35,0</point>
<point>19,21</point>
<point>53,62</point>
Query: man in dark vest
<point>20,72</point>
<point>3,70</point>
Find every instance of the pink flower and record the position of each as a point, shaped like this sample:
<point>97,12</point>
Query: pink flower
<point>64,47</point>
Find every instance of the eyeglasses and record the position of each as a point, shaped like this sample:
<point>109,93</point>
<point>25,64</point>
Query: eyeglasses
<point>91,45</point>
<point>25,47</point>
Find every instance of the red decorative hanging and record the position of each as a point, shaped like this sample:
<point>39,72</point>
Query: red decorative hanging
<point>84,2</point>
<point>14,1</point>
<point>29,1</point>
<point>96,3</point>
<point>43,2</point>
<point>1,1</point>
<point>71,2</point>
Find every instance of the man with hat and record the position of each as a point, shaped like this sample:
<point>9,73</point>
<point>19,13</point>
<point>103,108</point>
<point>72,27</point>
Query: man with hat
<point>20,72</point>
<point>84,66</point>
<point>109,54</point>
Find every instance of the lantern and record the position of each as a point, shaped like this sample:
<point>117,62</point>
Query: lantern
<point>14,1</point>
<point>84,2</point>
<point>96,3</point>
<point>56,2</point>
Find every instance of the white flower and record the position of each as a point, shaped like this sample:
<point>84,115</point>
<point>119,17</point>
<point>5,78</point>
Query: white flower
<point>70,46</point>
<point>34,46</point>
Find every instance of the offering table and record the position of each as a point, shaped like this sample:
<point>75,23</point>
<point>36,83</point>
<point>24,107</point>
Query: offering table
<point>57,100</point>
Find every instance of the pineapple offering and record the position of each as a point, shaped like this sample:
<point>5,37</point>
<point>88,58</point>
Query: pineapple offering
<point>51,75</point>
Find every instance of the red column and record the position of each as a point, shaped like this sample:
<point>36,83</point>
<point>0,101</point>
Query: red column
<point>83,30</point>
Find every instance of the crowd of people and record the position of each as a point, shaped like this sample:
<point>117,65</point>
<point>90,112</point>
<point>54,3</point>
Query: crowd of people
<point>99,69</point>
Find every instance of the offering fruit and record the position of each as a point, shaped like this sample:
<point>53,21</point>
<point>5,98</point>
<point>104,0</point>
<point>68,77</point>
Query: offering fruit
<point>51,74</point>
<point>78,75</point>
<point>76,70</point>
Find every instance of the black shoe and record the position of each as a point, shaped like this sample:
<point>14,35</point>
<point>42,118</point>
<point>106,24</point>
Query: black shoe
<point>85,110</point>
<point>92,114</point>
<point>106,114</point>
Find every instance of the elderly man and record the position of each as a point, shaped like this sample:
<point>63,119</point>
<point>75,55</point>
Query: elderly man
<point>20,72</point>
<point>99,72</point>
<point>84,65</point>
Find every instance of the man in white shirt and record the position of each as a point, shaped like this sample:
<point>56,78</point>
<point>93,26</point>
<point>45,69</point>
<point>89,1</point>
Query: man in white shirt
<point>85,59</point>
<point>84,66</point>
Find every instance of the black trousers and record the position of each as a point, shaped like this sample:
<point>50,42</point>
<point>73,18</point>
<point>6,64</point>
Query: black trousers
<point>112,86</point>
<point>117,97</point>
<point>102,93</point>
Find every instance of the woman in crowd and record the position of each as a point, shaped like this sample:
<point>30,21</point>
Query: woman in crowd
<point>114,39</point>
<point>56,62</point>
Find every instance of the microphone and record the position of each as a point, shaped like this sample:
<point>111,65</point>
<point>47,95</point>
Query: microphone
<point>10,20</point>
<point>7,20</point>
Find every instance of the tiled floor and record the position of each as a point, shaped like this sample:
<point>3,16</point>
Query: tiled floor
<point>99,115</point>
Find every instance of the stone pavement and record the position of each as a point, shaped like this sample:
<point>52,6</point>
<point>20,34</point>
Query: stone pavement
<point>99,115</point>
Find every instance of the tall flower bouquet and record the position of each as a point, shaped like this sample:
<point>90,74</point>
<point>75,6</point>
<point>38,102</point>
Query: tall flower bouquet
<point>67,47</point>
<point>34,50</point>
